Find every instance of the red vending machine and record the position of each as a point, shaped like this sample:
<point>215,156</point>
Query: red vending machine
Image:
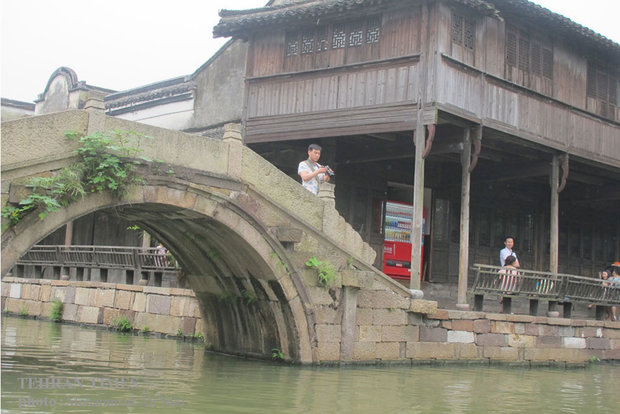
<point>397,243</point>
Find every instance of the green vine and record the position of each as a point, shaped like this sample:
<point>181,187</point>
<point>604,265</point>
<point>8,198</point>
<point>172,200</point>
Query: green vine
<point>326,273</point>
<point>106,162</point>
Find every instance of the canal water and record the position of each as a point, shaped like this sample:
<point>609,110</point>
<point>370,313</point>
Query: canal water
<point>48,367</point>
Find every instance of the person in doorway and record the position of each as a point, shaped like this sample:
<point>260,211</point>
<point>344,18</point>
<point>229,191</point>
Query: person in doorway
<point>605,277</point>
<point>507,251</point>
<point>311,172</point>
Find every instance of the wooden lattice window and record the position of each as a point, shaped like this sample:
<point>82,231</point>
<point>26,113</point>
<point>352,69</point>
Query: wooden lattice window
<point>373,30</point>
<point>339,37</point>
<point>356,34</point>
<point>602,85</point>
<point>528,55</point>
<point>307,43</point>
<point>463,31</point>
<point>322,39</point>
<point>292,44</point>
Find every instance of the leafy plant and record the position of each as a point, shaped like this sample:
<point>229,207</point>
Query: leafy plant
<point>227,297</point>
<point>248,296</point>
<point>277,354</point>
<point>109,160</point>
<point>23,311</point>
<point>179,332</point>
<point>122,324</point>
<point>106,162</point>
<point>56,310</point>
<point>326,273</point>
<point>146,329</point>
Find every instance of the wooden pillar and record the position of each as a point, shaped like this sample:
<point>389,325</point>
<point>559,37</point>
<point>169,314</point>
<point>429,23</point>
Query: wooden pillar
<point>418,204</point>
<point>146,240</point>
<point>554,215</point>
<point>464,237</point>
<point>69,233</point>
<point>554,229</point>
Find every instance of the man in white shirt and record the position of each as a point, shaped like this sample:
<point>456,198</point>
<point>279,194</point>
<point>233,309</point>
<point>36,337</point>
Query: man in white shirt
<point>311,172</point>
<point>509,242</point>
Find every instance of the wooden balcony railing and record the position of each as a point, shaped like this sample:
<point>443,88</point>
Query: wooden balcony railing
<point>108,257</point>
<point>536,285</point>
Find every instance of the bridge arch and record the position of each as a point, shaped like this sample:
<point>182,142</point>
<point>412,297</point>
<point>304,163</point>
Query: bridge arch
<point>252,299</point>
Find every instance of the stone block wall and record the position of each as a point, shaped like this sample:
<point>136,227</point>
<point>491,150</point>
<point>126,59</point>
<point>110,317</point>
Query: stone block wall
<point>161,310</point>
<point>361,321</point>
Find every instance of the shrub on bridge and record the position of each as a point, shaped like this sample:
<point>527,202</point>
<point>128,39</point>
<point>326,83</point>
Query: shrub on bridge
<point>106,162</point>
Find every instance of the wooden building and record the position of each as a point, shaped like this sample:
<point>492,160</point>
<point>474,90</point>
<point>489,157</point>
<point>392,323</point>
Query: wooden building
<point>515,111</point>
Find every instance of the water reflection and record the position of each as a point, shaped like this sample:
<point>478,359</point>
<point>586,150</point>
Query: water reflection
<point>139,371</point>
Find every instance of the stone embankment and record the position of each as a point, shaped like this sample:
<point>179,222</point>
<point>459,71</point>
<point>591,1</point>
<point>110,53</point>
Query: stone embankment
<point>156,309</point>
<point>383,329</point>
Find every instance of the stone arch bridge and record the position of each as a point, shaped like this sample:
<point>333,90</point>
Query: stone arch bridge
<point>239,227</point>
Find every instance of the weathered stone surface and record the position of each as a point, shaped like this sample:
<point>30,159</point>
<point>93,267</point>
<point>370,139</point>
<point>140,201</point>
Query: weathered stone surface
<point>109,315</point>
<point>320,296</point>
<point>82,296</point>
<point>329,351</point>
<point>15,291</point>
<point>433,334</point>
<point>328,333</point>
<point>491,339</point>
<point>139,302</point>
<point>458,314</point>
<point>389,351</point>
<point>427,307</point>
<point>328,315</point>
<point>46,291</point>
<point>482,326</point>
<point>559,321</point>
<point>439,314</point>
<point>123,299</point>
<point>364,351</point>
<point>70,312</point>
<point>611,333</point>
<point>532,329</point>
<point>467,351</point>
<point>400,333</point>
<point>550,330</point>
<point>103,297</point>
<point>520,341</point>
<point>189,325</point>
<point>463,325</point>
<point>571,342</point>
<point>389,317</point>
<point>566,331</point>
<point>464,337</point>
<point>430,350</point>
<point>158,304</point>
<point>33,292</point>
<point>502,327</point>
<point>369,333</point>
<point>500,353</point>
<point>88,314</point>
<point>548,342</point>
<point>598,343</point>
<point>33,307</point>
<point>364,316</point>
<point>589,332</point>
<point>561,354</point>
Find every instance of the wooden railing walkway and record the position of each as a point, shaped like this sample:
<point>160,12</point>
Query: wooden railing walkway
<point>107,257</point>
<point>537,285</point>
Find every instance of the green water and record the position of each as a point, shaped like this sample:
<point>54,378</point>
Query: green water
<point>49,367</point>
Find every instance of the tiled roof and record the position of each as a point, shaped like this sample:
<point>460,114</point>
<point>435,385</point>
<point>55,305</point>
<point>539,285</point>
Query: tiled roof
<point>240,22</point>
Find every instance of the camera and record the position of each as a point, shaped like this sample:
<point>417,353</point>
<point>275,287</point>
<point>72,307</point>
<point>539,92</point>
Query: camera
<point>330,172</point>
